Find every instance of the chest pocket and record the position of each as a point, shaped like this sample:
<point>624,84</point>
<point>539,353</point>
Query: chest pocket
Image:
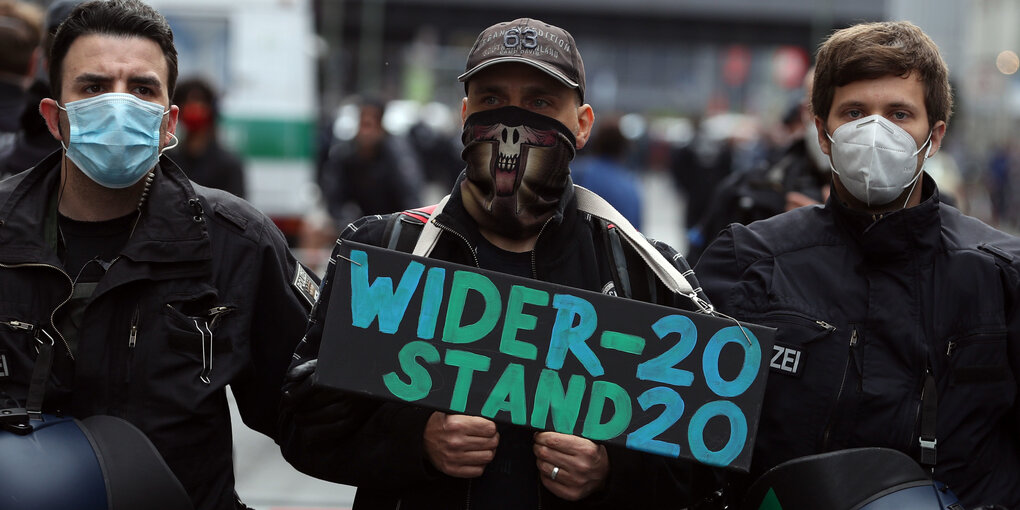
<point>801,384</point>
<point>193,323</point>
<point>978,358</point>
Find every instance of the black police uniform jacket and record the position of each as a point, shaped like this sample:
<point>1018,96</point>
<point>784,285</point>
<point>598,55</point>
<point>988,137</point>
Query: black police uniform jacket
<point>864,309</point>
<point>201,296</point>
<point>379,446</point>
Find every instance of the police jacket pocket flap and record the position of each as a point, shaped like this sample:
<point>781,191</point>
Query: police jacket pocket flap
<point>195,331</point>
<point>978,357</point>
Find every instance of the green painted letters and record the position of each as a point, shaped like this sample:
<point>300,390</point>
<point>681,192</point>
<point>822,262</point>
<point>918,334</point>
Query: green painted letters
<point>565,405</point>
<point>463,281</point>
<point>467,364</point>
<point>594,429</point>
<point>516,319</point>
<point>420,381</point>
<point>508,395</point>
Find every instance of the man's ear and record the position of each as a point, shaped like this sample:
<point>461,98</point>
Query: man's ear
<point>463,111</point>
<point>823,138</point>
<point>51,114</point>
<point>171,124</point>
<point>937,133</point>
<point>585,121</point>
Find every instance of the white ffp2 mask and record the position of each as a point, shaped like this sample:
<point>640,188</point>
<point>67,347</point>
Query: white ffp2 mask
<point>875,159</point>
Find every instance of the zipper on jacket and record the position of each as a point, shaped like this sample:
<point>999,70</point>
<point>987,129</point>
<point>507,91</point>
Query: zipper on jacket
<point>216,313</point>
<point>132,341</point>
<point>53,314</point>
<point>839,394</point>
<point>23,326</point>
<point>462,238</point>
<point>534,264</point>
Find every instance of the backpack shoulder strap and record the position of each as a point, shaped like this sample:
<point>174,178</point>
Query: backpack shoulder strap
<point>404,228</point>
<point>667,273</point>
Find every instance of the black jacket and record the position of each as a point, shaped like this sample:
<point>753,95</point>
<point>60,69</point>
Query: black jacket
<point>864,309</point>
<point>199,260</point>
<point>379,446</point>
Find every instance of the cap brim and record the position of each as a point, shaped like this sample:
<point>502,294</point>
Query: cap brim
<point>551,71</point>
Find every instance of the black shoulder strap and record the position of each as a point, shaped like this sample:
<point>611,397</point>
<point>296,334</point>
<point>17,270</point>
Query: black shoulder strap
<point>613,246</point>
<point>403,228</point>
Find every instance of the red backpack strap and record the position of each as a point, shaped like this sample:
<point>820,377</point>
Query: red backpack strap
<point>396,237</point>
<point>421,214</point>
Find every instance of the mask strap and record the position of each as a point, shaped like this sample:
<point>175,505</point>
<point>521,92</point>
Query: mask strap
<point>923,145</point>
<point>917,176</point>
<point>829,156</point>
<point>176,141</point>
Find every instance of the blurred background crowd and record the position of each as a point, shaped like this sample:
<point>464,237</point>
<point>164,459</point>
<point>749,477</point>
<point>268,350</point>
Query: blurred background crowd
<point>320,111</point>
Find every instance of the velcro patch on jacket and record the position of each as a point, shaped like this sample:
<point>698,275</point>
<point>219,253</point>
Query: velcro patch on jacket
<point>305,285</point>
<point>4,370</point>
<point>787,360</point>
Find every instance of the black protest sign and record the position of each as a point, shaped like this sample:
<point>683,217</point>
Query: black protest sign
<point>530,353</point>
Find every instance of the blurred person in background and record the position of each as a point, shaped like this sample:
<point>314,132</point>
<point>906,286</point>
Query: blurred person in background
<point>200,153</point>
<point>998,179</point>
<point>699,166</point>
<point>601,170</point>
<point>20,34</point>
<point>799,176</point>
<point>436,139</point>
<point>375,172</point>
<point>519,216</point>
<point>34,140</point>
<point>902,311</point>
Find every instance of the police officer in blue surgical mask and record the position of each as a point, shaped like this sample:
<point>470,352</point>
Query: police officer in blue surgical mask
<point>897,317</point>
<point>127,289</point>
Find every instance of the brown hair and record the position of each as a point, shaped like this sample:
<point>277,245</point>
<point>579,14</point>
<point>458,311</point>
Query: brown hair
<point>874,50</point>
<point>124,18</point>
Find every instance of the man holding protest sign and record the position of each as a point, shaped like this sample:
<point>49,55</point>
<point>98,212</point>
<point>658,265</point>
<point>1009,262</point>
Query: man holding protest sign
<point>897,315</point>
<point>515,211</point>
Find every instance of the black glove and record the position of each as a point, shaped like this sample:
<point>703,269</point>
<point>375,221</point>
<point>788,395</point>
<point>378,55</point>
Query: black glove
<point>314,406</point>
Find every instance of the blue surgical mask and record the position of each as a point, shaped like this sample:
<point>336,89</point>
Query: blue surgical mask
<point>114,137</point>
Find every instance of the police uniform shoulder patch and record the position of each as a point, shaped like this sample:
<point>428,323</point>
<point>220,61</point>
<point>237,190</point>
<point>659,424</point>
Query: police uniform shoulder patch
<point>609,288</point>
<point>305,284</point>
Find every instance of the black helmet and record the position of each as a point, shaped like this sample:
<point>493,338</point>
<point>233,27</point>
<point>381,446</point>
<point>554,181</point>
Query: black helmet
<point>856,479</point>
<point>98,463</point>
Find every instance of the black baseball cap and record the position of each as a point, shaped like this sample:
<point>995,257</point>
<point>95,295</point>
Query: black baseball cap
<point>529,41</point>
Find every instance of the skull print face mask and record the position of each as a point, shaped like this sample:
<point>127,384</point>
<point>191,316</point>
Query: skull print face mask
<point>516,169</point>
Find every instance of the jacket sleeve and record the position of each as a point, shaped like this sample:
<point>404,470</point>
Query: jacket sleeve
<point>344,437</point>
<point>734,271</point>
<point>278,318</point>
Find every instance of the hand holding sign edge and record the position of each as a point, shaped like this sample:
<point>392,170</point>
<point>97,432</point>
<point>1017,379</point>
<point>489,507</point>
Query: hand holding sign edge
<point>583,464</point>
<point>459,445</point>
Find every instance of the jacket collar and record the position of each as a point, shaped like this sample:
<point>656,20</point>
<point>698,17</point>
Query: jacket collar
<point>172,227</point>
<point>905,233</point>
